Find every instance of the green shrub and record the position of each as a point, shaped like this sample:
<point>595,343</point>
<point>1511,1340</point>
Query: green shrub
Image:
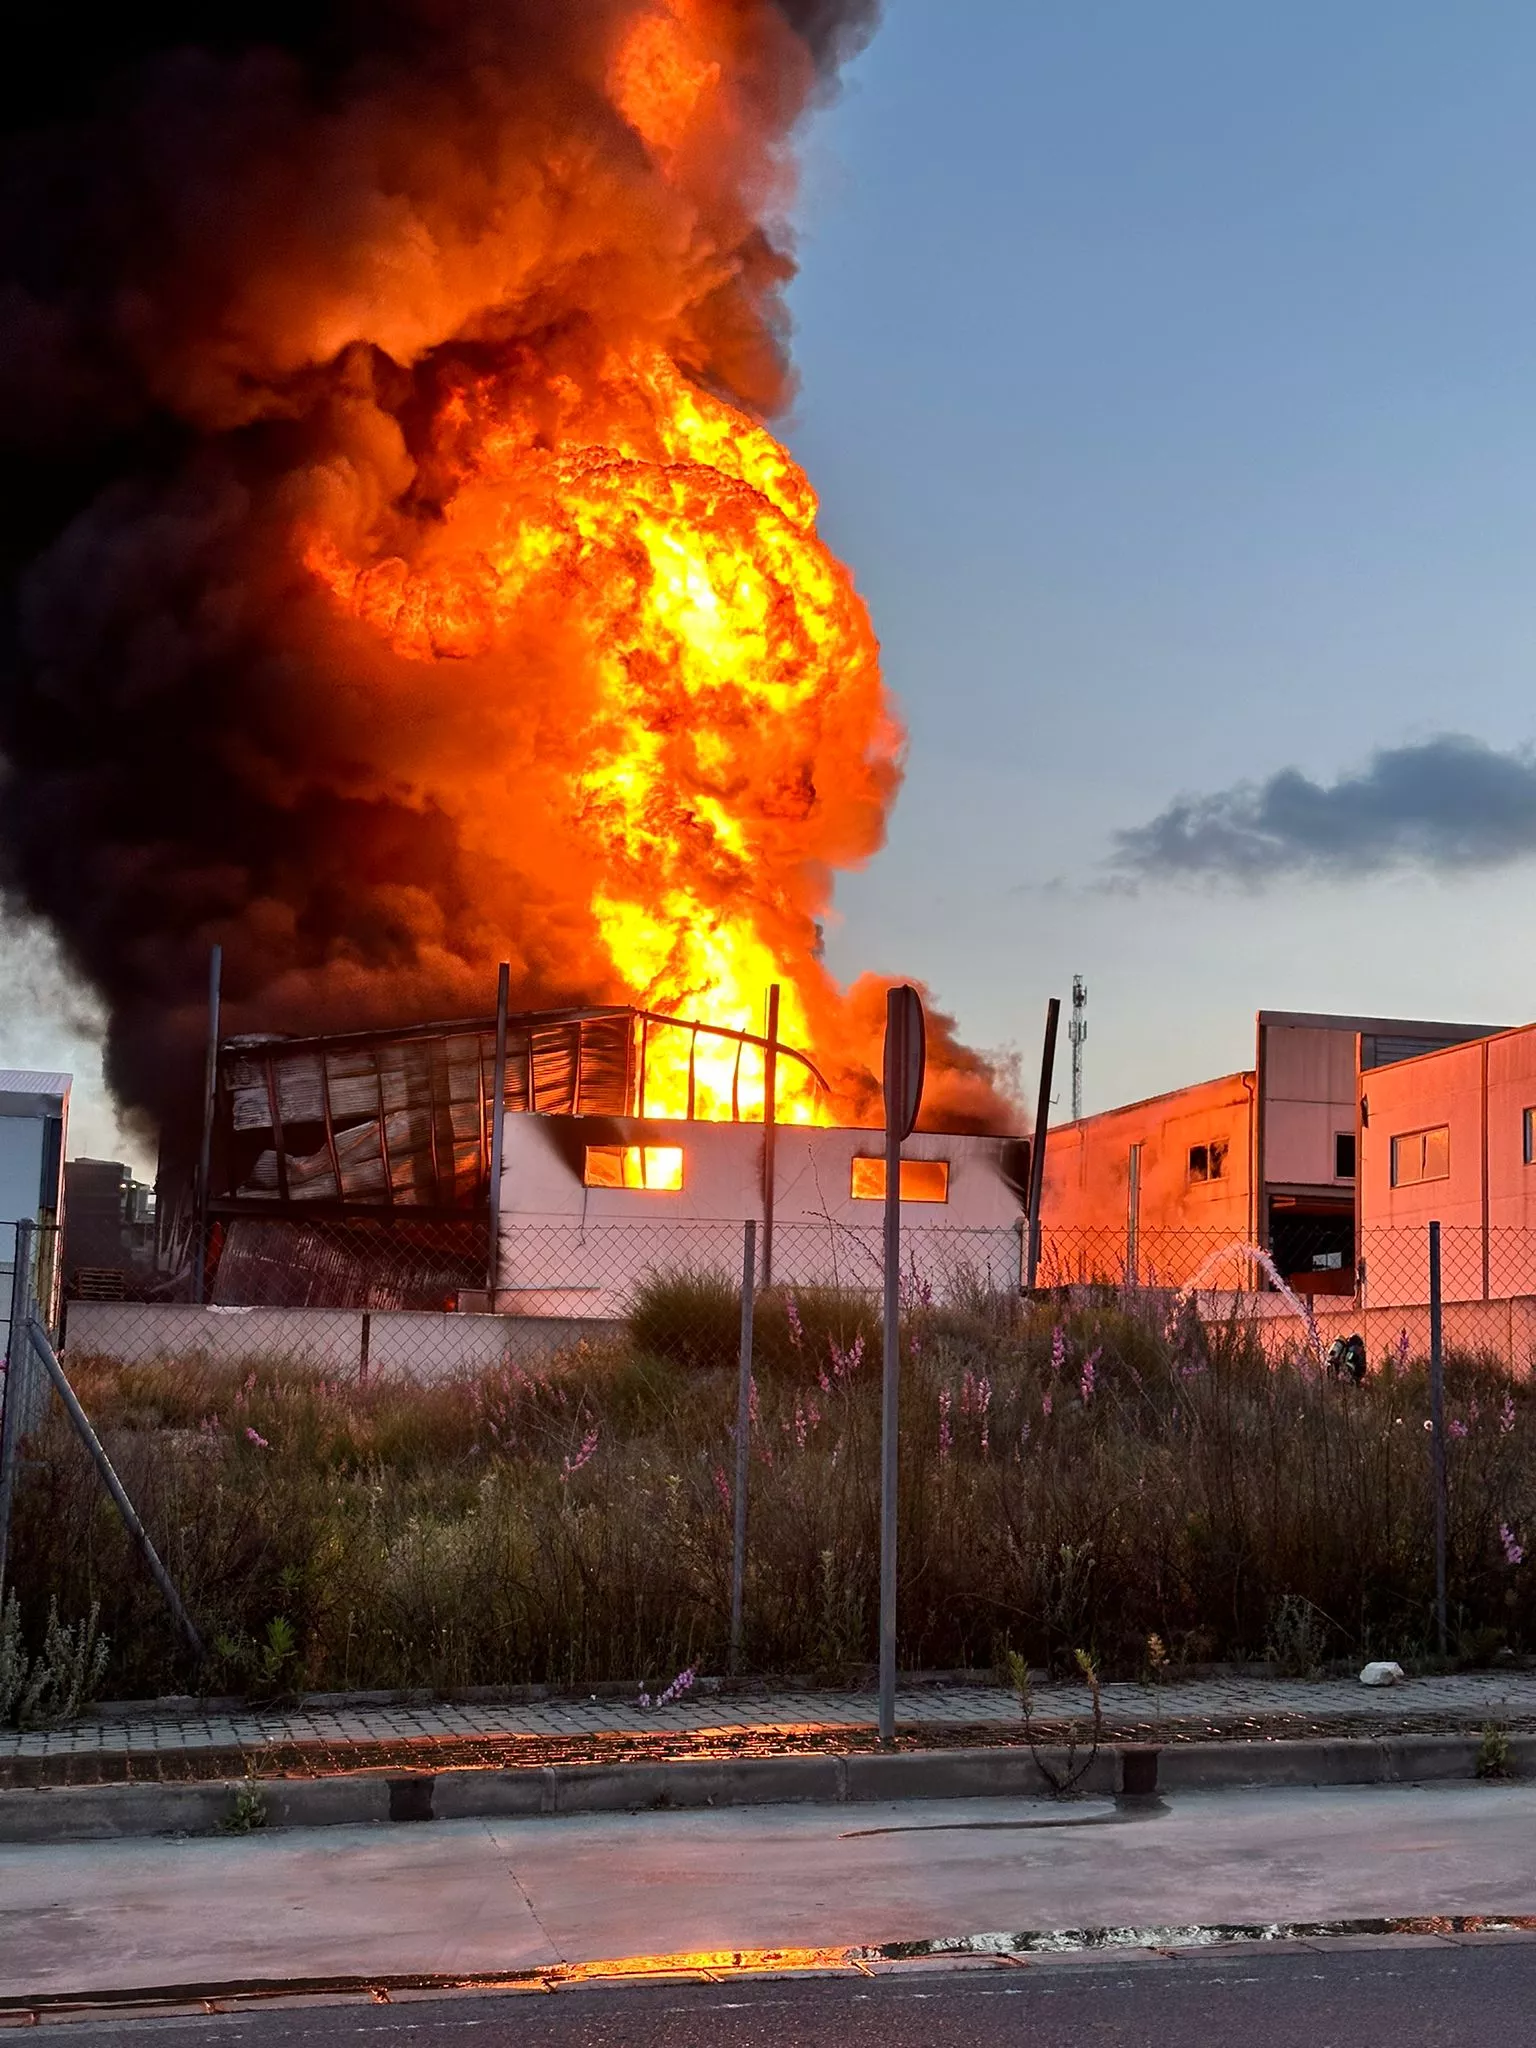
<point>690,1320</point>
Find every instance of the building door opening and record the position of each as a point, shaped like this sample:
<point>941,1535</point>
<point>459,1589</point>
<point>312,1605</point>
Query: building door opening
<point>1312,1242</point>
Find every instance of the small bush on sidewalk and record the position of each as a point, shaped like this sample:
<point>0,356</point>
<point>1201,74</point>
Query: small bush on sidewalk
<point>49,1689</point>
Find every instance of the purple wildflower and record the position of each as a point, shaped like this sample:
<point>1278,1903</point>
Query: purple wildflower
<point>588,1446</point>
<point>946,1434</point>
<point>792,1316</point>
<point>681,1684</point>
<point>1402,1348</point>
<point>1089,1375</point>
<point>1058,1348</point>
<point>1507,1415</point>
<point>1045,1404</point>
<point>723,1488</point>
<point>254,1437</point>
<point>1513,1551</point>
<point>1457,1427</point>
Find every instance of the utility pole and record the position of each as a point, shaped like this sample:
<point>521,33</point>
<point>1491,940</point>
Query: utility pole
<point>1077,1031</point>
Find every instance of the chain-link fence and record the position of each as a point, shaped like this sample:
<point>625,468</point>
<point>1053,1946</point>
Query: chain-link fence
<point>1317,1281</point>
<point>549,1343</point>
<point>362,1301</point>
<point>1311,1255</point>
<point>29,1278</point>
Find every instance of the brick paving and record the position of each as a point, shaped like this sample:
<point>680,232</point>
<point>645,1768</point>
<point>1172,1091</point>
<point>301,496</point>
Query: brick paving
<point>322,1737</point>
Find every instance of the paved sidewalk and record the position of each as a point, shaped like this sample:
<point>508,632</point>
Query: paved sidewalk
<point>666,1891</point>
<point>323,1737</point>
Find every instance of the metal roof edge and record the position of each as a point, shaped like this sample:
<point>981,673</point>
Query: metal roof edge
<point>1243,1076</point>
<point>1438,1052</point>
<point>31,1081</point>
<point>1405,1027</point>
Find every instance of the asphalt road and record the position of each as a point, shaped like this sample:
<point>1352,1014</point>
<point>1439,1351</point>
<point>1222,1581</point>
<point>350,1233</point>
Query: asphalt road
<point>1372,1997</point>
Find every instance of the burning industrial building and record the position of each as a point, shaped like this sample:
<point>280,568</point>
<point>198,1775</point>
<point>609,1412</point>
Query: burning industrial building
<point>403,576</point>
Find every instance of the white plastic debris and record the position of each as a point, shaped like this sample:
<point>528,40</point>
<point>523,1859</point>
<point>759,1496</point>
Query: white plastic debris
<point>1382,1674</point>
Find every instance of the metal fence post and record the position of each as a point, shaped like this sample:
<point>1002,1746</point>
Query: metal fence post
<point>77,1415</point>
<point>1437,1427</point>
<point>18,1354</point>
<point>199,1274</point>
<point>743,1439</point>
<point>1037,1143</point>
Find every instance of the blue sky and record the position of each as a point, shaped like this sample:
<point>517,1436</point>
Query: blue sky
<point>1166,373</point>
<point>1166,376</point>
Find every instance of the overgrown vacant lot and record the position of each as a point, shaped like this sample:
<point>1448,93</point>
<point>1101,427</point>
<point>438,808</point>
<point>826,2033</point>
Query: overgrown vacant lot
<point>1084,1477</point>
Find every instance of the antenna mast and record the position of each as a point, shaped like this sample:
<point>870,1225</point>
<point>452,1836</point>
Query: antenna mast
<point>1077,1031</point>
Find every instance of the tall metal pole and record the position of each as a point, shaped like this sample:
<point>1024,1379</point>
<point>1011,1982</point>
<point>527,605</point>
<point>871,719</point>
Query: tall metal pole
<point>1437,1427</point>
<point>210,1099</point>
<point>13,1418</point>
<point>743,1440</point>
<point>770,1128</point>
<point>1077,1032</point>
<point>498,1116</point>
<point>890,1385</point>
<point>1037,1146</point>
<point>113,1484</point>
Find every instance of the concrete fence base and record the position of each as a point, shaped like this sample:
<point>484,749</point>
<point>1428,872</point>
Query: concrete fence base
<point>360,1346</point>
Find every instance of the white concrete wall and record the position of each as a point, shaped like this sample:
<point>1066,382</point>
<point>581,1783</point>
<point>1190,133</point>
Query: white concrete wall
<point>401,1345</point>
<point>567,1249</point>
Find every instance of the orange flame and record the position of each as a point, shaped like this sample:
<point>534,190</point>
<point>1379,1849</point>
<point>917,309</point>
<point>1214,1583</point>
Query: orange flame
<point>727,666</point>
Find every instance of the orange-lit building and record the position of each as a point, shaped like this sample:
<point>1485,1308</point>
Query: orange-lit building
<point>1451,1137</point>
<point>1264,1157</point>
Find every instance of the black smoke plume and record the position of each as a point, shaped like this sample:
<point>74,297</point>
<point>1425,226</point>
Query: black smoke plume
<point>238,245</point>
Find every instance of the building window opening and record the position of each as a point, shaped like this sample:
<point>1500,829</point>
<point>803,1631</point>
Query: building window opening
<point>658,1169</point>
<point>1344,1155</point>
<point>1208,1162</point>
<point>1530,1137</point>
<point>922,1180</point>
<point>1421,1155</point>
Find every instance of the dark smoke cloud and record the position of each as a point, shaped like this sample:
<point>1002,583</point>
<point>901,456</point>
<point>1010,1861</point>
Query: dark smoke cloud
<point>237,244</point>
<point>1450,803</point>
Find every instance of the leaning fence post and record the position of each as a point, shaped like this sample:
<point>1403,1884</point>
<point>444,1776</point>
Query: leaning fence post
<point>743,1436</point>
<point>136,1529</point>
<point>1437,1426</point>
<point>13,1416</point>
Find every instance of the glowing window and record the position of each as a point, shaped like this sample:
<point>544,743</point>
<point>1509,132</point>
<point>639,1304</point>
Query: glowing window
<point>1421,1155</point>
<point>657,1168</point>
<point>922,1180</point>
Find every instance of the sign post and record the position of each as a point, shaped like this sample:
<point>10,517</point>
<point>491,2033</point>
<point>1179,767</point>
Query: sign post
<point>905,1055</point>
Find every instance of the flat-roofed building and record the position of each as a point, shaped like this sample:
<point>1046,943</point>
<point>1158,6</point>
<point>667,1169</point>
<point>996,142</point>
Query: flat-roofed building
<point>34,1122</point>
<point>1450,1137</point>
<point>1264,1157</point>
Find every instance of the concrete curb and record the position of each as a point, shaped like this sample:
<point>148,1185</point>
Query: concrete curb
<point>96,1813</point>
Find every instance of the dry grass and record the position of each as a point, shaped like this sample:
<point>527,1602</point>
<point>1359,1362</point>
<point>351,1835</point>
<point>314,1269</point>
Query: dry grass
<point>327,1538</point>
